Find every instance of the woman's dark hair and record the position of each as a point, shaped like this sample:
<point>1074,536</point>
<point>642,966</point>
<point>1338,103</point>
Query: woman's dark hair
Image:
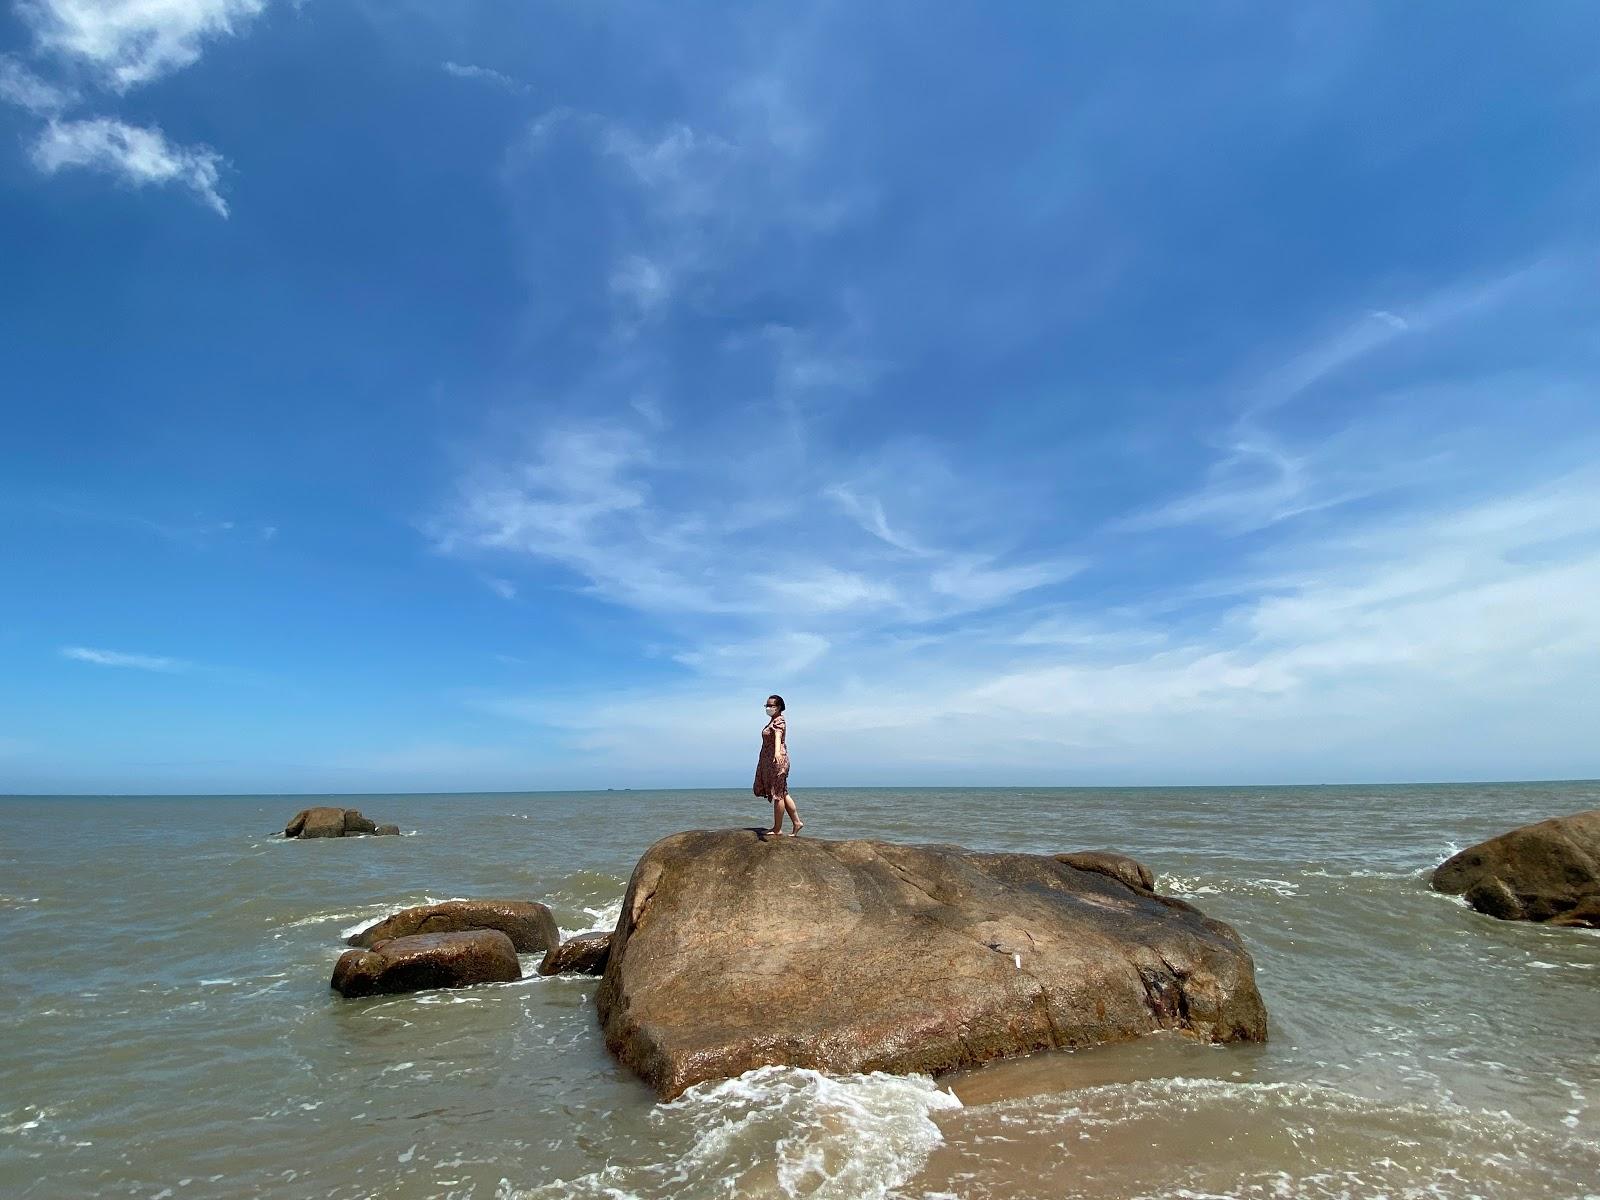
<point>778,700</point>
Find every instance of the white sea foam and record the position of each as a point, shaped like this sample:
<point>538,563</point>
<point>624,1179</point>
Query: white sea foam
<point>29,1122</point>
<point>601,920</point>
<point>779,1132</point>
<point>369,914</point>
<point>1194,885</point>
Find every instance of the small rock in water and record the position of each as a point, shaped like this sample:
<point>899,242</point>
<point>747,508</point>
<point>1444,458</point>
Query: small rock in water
<point>585,954</point>
<point>332,822</point>
<point>529,925</point>
<point>424,961</point>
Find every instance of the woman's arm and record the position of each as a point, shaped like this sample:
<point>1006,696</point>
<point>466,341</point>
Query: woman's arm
<point>780,751</point>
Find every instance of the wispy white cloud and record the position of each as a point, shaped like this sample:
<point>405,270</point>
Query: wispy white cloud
<point>139,156</point>
<point>116,658</point>
<point>131,42</point>
<point>1260,476</point>
<point>1407,640</point>
<point>117,45</point>
<point>21,86</point>
<point>684,536</point>
<point>483,75</point>
<point>693,197</point>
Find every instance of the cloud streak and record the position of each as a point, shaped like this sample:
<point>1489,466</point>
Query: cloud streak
<point>138,156</point>
<point>116,658</point>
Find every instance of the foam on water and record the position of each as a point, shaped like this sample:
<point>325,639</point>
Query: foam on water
<point>778,1132</point>
<point>1194,885</point>
<point>602,919</point>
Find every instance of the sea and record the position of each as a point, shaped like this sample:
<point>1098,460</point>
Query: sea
<point>167,1030</point>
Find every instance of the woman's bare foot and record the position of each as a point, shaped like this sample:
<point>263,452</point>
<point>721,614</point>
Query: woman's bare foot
<point>798,826</point>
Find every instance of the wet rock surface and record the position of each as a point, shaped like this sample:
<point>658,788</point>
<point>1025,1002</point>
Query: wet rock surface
<point>735,951</point>
<point>1108,862</point>
<point>529,925</point>
<point>585,954</point>
<point>425,961</point>
<point>1548,871</point>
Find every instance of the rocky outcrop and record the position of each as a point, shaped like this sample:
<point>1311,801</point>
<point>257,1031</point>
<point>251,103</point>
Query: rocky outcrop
<point>1548,871</point>
<point>316,823</point>
<point>530,926</point>
<point>333,822</point>
<point>734,952</point>
<point>585,954</point>
<point>429,960</point>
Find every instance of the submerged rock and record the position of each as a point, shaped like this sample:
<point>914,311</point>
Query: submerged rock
<point>530,926</point>
<point>429,960</point>
<point>392,830</point>
<point>1548,871</point>
<point>585,954</point>
<point>332,822</point>
<point>734,952</point>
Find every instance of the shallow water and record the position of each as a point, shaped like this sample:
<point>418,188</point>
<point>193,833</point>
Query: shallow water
<point>169,1031</point>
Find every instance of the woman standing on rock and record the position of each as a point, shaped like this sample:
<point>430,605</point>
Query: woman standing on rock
<point>772,768</point>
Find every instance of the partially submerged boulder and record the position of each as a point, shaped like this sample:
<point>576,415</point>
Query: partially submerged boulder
<point>1548,871</point>
<point>530,926</point>
<point>734,951</point>
<point>585,954</point>
<point>354,822</point>
<point>333,822</point>
<point>315,823</point>
<point>429,960</point>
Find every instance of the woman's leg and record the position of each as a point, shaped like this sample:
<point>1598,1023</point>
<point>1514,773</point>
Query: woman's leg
<point>777,814</point>
<point>794,815</point>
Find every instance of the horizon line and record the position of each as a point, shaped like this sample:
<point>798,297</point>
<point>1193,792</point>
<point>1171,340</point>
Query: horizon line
<point>921,787</point>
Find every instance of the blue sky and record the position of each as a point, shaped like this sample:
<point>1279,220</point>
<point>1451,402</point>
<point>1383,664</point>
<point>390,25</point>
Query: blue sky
<point>449,395</point>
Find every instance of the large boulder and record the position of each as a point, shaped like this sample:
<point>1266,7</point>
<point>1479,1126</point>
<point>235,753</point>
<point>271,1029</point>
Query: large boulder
<point>429,960</point>
<point>333,822</point>
<point>585,954</point>
<point>1548,871</point>
<point>530,926</point>
<point>734,952</point>
<point>315,823</point>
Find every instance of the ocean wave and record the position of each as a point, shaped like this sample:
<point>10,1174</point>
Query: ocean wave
<point>777,1132</point>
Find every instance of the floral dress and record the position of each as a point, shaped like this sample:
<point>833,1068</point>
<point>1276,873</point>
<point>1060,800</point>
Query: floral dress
<point>772,768</point>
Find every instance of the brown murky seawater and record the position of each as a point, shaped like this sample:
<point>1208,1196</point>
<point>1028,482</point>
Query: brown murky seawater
<point>168,1031</point>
